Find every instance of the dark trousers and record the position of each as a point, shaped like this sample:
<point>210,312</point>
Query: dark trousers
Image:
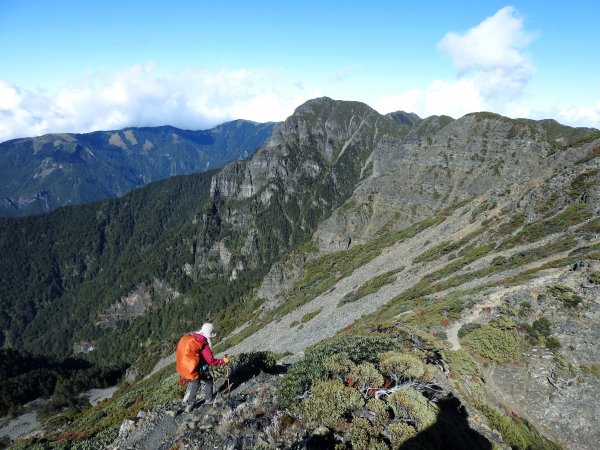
<point>192,389</point>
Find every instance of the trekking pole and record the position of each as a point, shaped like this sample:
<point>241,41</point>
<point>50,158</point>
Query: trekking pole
<point>228,383</point>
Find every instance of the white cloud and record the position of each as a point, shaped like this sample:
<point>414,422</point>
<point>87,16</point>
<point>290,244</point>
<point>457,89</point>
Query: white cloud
<point>138,96</point>
<point>406,101</point>
<point>492,44</point>
<point>492,70</point>
<point>583,116</point>
<point>9,96</point>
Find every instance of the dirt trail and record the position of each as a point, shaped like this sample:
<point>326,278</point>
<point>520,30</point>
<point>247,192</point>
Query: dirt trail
<point>495,300</point>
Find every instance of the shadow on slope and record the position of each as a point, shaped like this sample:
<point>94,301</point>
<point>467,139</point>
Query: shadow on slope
<point>450,431</point>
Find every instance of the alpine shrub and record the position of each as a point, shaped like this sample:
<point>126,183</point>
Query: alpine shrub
<point>363,435</point>
<point>409,405</point>
<point>298,380</point>
<point>301,374</point>
<point>467,328</point>
<point>566,295</point>
<point>552,343</point>
<point>541,326</point>
<point>358,348</point>
<point>330,400</point>
<point>400,432</point>
<point>380,408</point>
<point>519,437</point>
<point>338,366</point>
<point>464,369</point>
<point>366,376</point>
<point>404,367</point>
<point>494,343</point>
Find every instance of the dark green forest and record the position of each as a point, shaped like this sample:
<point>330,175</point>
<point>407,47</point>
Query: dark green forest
<point>26,377</point>
<point>60,269</point>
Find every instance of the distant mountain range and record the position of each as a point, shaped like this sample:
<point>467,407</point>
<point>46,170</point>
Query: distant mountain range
<point>43,173</point>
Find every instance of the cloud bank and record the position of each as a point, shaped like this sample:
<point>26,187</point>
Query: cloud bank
<point>138,96</point>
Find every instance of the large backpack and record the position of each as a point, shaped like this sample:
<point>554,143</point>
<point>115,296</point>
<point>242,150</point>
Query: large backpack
<point>187,357</point>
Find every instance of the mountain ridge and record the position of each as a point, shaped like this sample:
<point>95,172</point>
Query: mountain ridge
<point>45,172</point>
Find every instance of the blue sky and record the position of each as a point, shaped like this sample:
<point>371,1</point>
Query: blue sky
<point>78,66</point>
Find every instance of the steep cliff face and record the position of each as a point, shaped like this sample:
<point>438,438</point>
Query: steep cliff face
<point>311,164</point>
<point>442,161</point>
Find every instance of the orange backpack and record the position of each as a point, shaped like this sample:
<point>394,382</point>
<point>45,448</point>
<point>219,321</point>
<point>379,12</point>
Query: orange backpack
<point>187,357</point>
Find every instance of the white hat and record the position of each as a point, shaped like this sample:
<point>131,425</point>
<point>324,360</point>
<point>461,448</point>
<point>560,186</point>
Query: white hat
<point>207,331</point>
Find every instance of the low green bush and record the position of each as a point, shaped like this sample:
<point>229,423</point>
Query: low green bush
<point>566,295</point>
<point>400,433</point>
<point>338,366</point>
<point>404,367</point>
<point>553,343</point>
<point>437,251</point>
<point>330,400</point>
<point>466,372</point>
<point>364,436</point>
<point>306,317</point>
<point>301,374</point>
<point>525,309</point>
<point>520,436</point>
<point>500,261</point>
<point>380,408</point>
<point>504,323</point>
<point>542,326</point>
<point>370,287</point>
<point>582,183</point>
<point>365,376</point>
<point>410,405</point>
<point>495,343</point>
<point>571,215</point>
<point>467,328</point>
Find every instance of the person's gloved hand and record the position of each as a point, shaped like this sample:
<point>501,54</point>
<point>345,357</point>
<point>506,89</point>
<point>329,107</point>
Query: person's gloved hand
<point>226,360</point>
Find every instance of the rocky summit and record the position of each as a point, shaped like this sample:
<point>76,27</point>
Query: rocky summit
<point>379,281</point>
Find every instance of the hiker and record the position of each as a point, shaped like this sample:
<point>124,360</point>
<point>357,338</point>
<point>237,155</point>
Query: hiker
<point>194,356</point>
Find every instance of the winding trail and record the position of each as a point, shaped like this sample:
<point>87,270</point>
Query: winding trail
<point>495,299</point>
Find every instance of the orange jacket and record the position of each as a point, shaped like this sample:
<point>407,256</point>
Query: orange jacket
<point>192,351</point>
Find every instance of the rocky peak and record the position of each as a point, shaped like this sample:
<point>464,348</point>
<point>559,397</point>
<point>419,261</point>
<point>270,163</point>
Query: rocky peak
<point>318,134</point>
<point>406,118</point>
